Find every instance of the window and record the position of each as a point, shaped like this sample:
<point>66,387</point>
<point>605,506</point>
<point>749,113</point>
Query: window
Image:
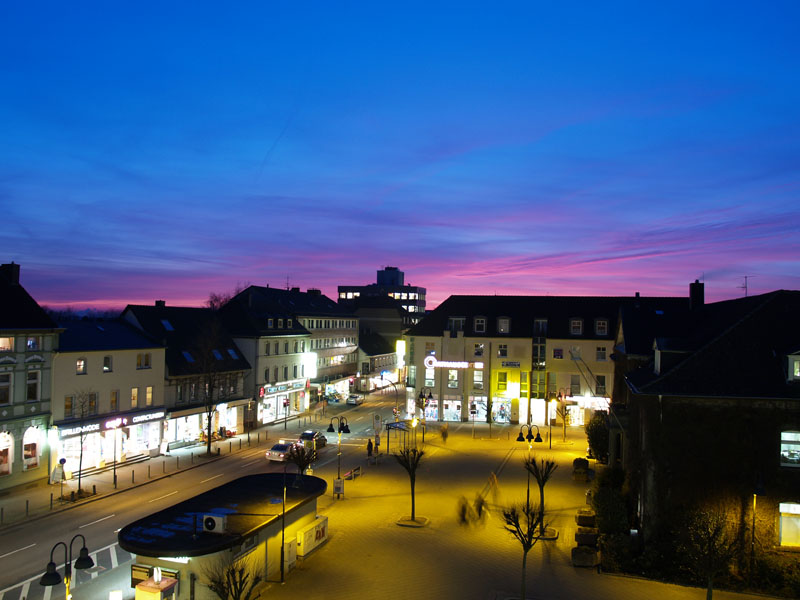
<point>216,354</point>
<point>270,323</point>
<point>575,352</point>
<point>285,373</point>
<point>275,374</point>
<point>33,343</point>
<point>6,344</point>
<point>296,346</point>
<point>80,366</point>
<point>167,325</point>
<point>107,364</point>
<point>480,324</point>
<point>503,325</point>
<point>277,348</point>
<point>430,377</point>
<point>148,396</point>
<point>790,449</point>
<point>477,380</point>
<point>430,349</point>
<point>294,371</point>
<point>575,385</point>
<point>794,367</point>
<point>452,378</point>
<point>115,399</point>
<point>232,354</point>
<point>280,323</point>
<point>5,388</point>
<point>540,327</point>
<point>523,383</point>
<point>30,456</point>
<point>455,324</point>
<point>601,327</point>
<point>91,404</point>
<point>601,385</point>
<point>267,347</point>
<point>502,350</point>
<point>789,524</point>
<point>286,347</point>
<point>600,354</point>
<point>576,326</point>
<point>187,355</point>
<point>412,376</point>
<point>134,397</point>
<point>558,353</point>
<point>69,407</point>
<point>143,360</point>
<point>288,323</point>
<point>502,381</point>
<point>34,378</point>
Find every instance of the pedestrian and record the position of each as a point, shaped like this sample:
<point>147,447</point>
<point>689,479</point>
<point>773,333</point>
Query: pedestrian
<point>445,432</point>
<point>369,448</point>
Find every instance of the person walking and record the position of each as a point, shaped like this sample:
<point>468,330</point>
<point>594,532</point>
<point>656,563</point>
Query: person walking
<point>369,448</point>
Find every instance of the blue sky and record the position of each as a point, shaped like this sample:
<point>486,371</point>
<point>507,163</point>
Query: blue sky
<point>151,151</point>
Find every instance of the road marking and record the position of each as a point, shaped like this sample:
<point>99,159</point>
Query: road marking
<point>15,551</point>
<point>252,462</point>
<point>210,478</point>
<point>164,496</point>
<point>97,521</point>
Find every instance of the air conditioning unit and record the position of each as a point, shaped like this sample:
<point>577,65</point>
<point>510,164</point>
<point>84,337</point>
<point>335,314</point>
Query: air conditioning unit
<point>214,523</point>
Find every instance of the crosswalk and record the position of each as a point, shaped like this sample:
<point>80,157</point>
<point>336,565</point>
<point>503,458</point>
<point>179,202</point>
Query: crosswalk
<point>106,560</point>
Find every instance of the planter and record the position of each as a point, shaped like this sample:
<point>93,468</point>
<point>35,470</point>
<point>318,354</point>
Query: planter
<point>586,536</point>
<point>585,517</point>
<point>584,556</point>
<point>580,476</point>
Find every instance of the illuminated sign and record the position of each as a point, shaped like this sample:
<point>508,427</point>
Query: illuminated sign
<point>430,362</point>
<point>115,423</point>
<point>148,417</point>
<point>77,430</point>
<point>510,363</point>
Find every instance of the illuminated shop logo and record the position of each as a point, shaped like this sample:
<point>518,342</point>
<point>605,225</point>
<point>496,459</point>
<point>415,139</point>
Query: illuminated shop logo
<point>430,362</point>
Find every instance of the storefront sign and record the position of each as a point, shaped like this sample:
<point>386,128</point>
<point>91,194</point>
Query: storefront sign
<point>431,362</point>
<point>78,430</point>
<point>116,423</point>
<point>148,417</point>
<point>510,363</point>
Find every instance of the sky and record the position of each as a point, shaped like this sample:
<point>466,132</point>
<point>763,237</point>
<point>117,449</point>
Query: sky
<point>168,150</point>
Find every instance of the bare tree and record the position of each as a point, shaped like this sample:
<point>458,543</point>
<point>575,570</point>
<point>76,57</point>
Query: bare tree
<point>232,579</point>
<point>409,459</point>
<point>84,405</point>
<point>208,346</point>
<point>542,470</point>
<point>522,521</point>
<point>709,545</point>
<point>302,457</point>
<point>218,300</point>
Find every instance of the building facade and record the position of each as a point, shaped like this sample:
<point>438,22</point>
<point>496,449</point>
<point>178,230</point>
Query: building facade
<point>391,283</point>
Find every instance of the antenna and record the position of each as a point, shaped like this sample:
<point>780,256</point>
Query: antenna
<point>287,282</point>
<point>744,285</point>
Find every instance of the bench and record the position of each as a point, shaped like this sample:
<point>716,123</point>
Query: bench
<point>353,473</point>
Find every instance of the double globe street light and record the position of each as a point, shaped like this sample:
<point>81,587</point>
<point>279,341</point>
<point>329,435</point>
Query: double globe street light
<point>84,561</point>
<point>341,428</point>
<point>531,440</point>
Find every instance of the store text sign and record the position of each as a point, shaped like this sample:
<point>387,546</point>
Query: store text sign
<point>430,362</point>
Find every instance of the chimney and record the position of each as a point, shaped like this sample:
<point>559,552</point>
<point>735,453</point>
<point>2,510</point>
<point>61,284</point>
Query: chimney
<point>11,273</point>
<point>160,303</point>
<point>296,289</point>
<point>314,292</point>
<point>697,295</point>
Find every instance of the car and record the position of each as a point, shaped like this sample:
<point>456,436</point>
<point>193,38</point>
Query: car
<point>355,399</point>
<point>333,397</point>
<point>308,438</point>
<point>279,452</point>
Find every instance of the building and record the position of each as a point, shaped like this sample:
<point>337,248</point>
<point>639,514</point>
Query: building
<point>326,355</point>
<point>238,523</point>
<point>27,339</point>
<point>518,358</point>
<point>108,395</point>
<point>204,373</point>
<point>390,282</point>
<point>710,410</point>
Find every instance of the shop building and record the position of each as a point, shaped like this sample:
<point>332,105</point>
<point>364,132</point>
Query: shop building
<point>516,357</point>
<point>27,339</point>
<point>241,523</point>
<point>390,283</point>
<point>379,363</point>
<point>108,395</point>
<point>204,372</point>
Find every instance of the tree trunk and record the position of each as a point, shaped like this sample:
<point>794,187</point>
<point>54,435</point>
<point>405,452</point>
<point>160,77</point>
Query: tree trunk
<point>80,463</point>
<point>524,564</point>
<point>710,588</point>
<point>208,433</point>
<point>413,514</point>
<point>541,510</point>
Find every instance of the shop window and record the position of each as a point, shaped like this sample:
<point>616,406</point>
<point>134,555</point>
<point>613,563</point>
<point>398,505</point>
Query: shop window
<point>5,388</point>
<point>790,449</point>
<point>523,384</point>
<point>502,350</point>
<point>430,377</point>
<point>80,366</point>
<point>33,342</point>
<point>601,385</point>
<point>115,399</point>
<point>6,344</point>
<point>601,327</point>
<point>30,456</point>
<point>600,354</point>
<point>270,323</point>
<point>6,453</point>
<point>576,326</point>
<point>69,407</point>
<point>34,380</point>
<point>558,353</point>
<point>575,385</point>
<point>148,396</point>
<point>789,524</point>
<point>452,378</point>
<point>107,364</point>
<point>503,325</point>
<point>135,397</point>
<point>502,381</point>
<point>477,380</point>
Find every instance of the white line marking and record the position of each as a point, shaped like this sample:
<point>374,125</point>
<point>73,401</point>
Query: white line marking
<point>98,520</point>
<point>15,551</point>
<point>26,587</point>
<point>114,559</point>
<point>252,462</point>
<point>164,496</point>
<point>210,478</point>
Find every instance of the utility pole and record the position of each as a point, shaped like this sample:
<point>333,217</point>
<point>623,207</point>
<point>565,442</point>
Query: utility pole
<point>744,285</point>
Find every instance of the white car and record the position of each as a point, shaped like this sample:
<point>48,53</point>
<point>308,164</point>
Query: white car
<point>355,399</point>
<point>279,452</point>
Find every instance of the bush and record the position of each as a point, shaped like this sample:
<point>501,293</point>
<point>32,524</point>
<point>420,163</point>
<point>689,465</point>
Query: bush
<point>580,464</point>
<point>597,434</point>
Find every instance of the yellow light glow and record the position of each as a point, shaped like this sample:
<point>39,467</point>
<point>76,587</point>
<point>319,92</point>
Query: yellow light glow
<point>400,350</point>
<point>309,361</point>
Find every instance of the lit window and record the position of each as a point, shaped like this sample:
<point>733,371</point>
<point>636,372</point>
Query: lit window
<point>107,364</point>
<point>134,397</point>
<point>216,354</point>
<point>502,350</point>
<point>789,524</point>
<point>115,400</point>
<point>601,385</point>
<point>576,326</point>
<point>80,366</point>
<point>430,377</point>
<point>601,327</point>
<point>33,343</point>
<point>6,344</point>
<point>33,386</point>
<point>790,449</point>
<point>452,378</point>
<point>477,380</point>
<point>148,396</point>
<point>558,353</point>
<point>143,360</point>
<point>187,355</point>
<point>478,349</point>
<point>503,325</point>
<point>502,381</point>
<point>480,324</point>
<point>601,353</point>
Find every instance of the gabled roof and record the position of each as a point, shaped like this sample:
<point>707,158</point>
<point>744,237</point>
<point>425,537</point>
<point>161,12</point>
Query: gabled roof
<point>738,349</point>
<point>195,331</point>
<point>18,310</point>
<point>262,302</point>
<point>523,311</point>
<point>374,344</point>
<point>102,334</point>
<point>249,314</point>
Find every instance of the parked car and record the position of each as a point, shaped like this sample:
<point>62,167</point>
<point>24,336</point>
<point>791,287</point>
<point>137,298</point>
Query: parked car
<point>355,399</point>
<point>333,397</point>
<point>309,437</point>
<point>279,451</point>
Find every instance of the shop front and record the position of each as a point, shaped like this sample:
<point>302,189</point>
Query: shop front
<point>281,401</point>
<point>451,408</point>
<point>501,410</point>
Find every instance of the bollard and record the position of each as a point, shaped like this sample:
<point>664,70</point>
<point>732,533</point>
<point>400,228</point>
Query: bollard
<point>133,476</point>
<point>1,514</point>
<point>26,507</point>
<point>72,496</point>
<point>217,450</point>
<point>248,438</point>
<point>51,501</point>
<point>148,471</point>
<point>164,466</point>
<point>258,437</point>
<point>94,489</point>
<point>240,443</point>
<point>177,462</point>
<point>230,447</point>
<point>192,459</point>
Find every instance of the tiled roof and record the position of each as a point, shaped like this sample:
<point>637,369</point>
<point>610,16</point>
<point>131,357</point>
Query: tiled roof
<point>102,334</point>
<point>261,302</point>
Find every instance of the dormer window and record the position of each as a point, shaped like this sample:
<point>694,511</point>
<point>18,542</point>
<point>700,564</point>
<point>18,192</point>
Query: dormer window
<point>270,323</point>
<point>601,327</point>
<point>455,324</point>
<point>503,325</point>
<point>288,323</point>
<point>217,354</point>
<point>576,326</point>
<point>480,324</point>
<point>794,367</point>
<point>280,323</point>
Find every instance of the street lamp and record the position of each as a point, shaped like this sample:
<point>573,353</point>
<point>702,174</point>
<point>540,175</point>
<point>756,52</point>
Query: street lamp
<point>422,399</point>
<point>84,561</point>
<point>530,439</point>
<point>341,428</point>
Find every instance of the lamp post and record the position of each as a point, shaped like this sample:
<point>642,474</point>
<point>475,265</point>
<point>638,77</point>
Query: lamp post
<point>530,439</point>
<point>115,456</point>
<point>341,428</point>
<point>422,399</point>
<point>283,524</point>
<point>84,561</point>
